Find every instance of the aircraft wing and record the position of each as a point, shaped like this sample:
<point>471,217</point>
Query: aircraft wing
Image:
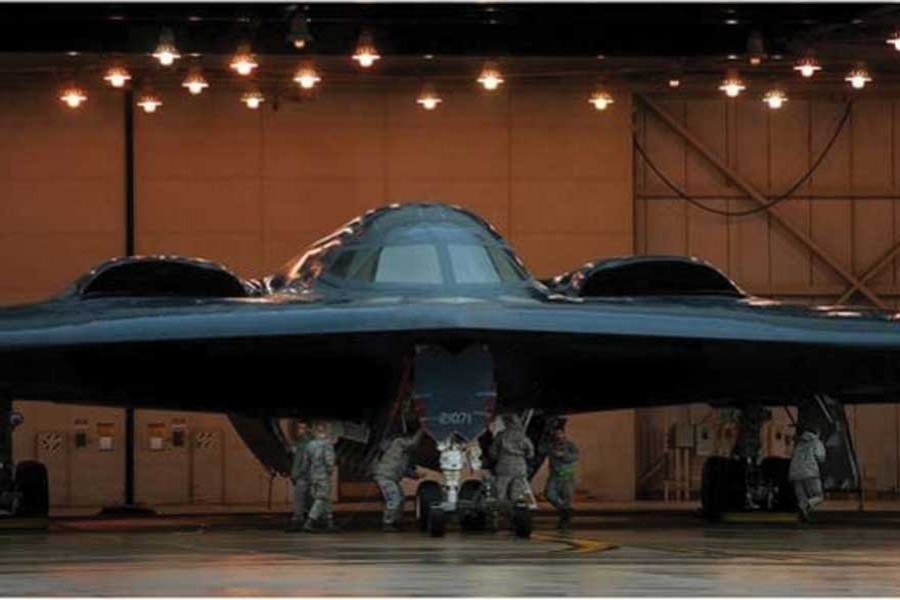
<point>274,355</point>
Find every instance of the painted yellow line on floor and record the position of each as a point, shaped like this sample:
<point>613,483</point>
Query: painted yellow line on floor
<point>575,545</point>
<point>760,517</point>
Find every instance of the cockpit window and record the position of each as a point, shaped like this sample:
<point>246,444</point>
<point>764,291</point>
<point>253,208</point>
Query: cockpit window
<point>409,263</point>
<point>425,264</point>
<point>471,264</point>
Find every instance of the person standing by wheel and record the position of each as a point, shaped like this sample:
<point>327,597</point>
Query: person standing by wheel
<point>511,450</point>
<point>809,454</point>
<point>300,477</point>
<point>395,464</point>
<point>560,489</point>
<point>321,460</point>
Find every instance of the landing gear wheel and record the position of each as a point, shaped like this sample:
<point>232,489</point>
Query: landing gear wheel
<point>775,471</point>
<point>470,496</point>
<point>427,494</point>
<point>33,487</point>
<point>521,522</point>
<point>723,487</point>
<point>437,522</point>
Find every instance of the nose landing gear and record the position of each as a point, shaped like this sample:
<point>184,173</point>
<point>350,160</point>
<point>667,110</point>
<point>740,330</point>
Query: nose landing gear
<point>471,501</point>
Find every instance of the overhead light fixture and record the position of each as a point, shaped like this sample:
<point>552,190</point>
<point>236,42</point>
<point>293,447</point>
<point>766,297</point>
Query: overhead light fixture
<point>674,82</point>
<point>366,53</point>
<point>243,62</point>
<point>117,76</point>
<point>601,99</point>
<point>808,66</point>
<point>73,95</point>
<point>894,39</point>
<point>775,98</point>
<point>490,77</point>
<point>429,99</point>
<point>858,77</point>
<point>253,100</point>
<point>299,35</point>
<point>195,82</point>
<point>306,76</point>
<point>756,48</point>
<point>166,52</point>
<point>732,85</point>
<point>149,101</point>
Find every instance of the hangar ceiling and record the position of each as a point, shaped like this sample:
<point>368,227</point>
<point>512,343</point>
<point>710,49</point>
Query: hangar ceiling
<point>635,42</point>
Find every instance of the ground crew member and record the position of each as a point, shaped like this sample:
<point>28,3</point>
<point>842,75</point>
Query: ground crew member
<point>300,477</point>
<point>809,453</point>
<point>395,464</point>
<point>511,449</point>
<point>321,461</point>
<point>563,459</point>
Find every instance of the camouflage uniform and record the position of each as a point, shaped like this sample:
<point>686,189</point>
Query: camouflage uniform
<point>321,461</point>
<point>394,465</point>
<point>511,450</point>
<point>809,453</point>
<point>560,488</point>
<point>300,477</point>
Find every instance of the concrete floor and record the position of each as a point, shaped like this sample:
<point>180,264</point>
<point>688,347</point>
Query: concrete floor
<point>610,553</point>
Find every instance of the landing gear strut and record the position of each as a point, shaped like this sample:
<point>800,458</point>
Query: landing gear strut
<point>743,482</point>
<point>472,501</point>
<point>24,487</point>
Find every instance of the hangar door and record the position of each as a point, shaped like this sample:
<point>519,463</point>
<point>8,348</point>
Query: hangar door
<point>841,223</point>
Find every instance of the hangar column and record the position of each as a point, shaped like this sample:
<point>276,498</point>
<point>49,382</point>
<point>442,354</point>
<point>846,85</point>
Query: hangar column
<point>6,429</point>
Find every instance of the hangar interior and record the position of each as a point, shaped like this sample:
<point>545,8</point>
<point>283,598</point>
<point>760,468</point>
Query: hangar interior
<point>559,179</point>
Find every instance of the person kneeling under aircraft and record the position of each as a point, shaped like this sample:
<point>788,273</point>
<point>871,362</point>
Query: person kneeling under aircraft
<point>396,462</point>
<point>809,454</point>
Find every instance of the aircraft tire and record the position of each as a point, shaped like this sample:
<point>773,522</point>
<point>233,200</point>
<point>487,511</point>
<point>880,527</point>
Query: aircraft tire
<point>437,522</point>
<point>471,518</point>
<point>722,486</point>
<point>775,470</point>
<point>428,493</point>
<point>521,522</point>
<point>33,485</point>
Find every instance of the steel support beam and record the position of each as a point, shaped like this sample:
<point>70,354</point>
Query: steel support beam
<point>876,268</point>
<point>760,199</point>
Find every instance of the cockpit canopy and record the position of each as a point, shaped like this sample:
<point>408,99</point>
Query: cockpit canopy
<point>412,245</point>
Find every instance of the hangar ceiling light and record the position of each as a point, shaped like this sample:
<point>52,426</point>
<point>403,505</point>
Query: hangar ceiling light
<point>808,66</point>
<point>858,77</point>
<point>490,77</point>
<point>775,98</point>
<point>166,52</point>
<point>299,35</point>
<point>306,76</point>
<point>366,53</point>
<point>894,39</point>
<point>117,76</point>
<point>253,100</point>
<point>73,95</point>
<point>244,61</point>
<point>732,85</point>
<point>429,99</point>
<point>149,101</point>
<point>601,99</point>
<point>195,82</point>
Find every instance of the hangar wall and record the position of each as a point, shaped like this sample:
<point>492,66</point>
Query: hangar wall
<point>251,189</point>
<point>849,207</point>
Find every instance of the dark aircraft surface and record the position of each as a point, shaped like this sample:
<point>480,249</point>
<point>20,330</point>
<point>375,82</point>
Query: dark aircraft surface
<point>425,309</point>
